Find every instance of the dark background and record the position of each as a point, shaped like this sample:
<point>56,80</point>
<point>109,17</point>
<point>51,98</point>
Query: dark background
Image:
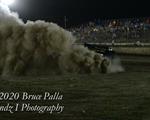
<point>80,11</point>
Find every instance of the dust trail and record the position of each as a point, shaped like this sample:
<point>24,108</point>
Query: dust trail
<point>42,47</point>
<point>116,66</point>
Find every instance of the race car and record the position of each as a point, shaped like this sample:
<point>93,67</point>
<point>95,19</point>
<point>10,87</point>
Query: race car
<point>106,51</point>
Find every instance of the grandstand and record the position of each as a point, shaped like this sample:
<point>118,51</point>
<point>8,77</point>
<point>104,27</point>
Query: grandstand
<point>114,31</point>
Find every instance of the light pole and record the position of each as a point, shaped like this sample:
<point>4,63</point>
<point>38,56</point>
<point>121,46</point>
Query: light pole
<point>65,21</point>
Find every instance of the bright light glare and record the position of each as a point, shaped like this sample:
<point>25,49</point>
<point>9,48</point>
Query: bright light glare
<point>7,2</point>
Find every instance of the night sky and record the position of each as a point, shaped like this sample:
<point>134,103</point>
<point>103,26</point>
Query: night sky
<point>79,11</point>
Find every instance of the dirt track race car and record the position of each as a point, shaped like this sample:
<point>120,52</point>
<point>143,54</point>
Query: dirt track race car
<point>106,51</point>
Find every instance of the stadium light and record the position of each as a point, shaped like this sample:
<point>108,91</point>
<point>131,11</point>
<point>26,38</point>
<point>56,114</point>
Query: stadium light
<point>7,2</point>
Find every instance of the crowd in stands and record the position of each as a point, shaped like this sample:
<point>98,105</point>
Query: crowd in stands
<point>119,30</point>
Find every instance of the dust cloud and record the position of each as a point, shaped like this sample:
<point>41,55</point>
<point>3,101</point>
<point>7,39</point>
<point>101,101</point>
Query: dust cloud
<point>42,47</point>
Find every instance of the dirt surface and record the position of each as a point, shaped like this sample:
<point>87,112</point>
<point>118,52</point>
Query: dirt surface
<point>117,96</point>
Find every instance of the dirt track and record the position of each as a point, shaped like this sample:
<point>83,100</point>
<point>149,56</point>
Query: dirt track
<point>117,96</point>
<point>133,63</point>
